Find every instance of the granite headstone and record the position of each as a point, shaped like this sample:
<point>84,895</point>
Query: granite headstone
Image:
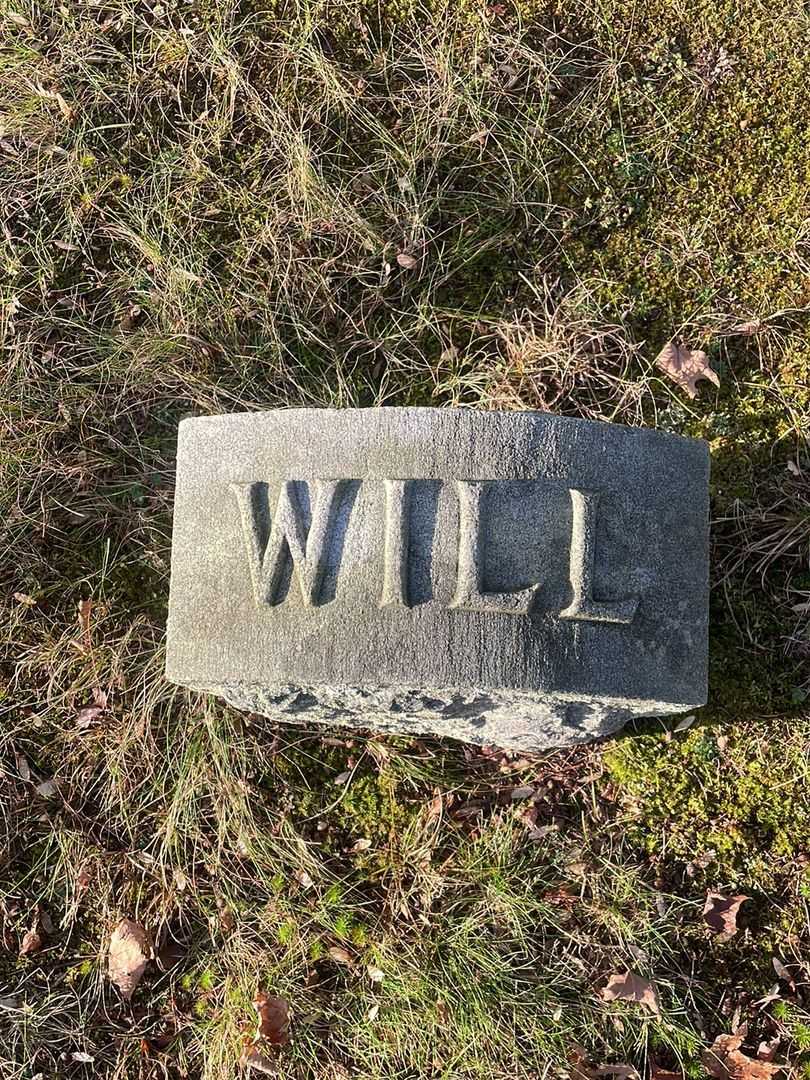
<point>520,579</point>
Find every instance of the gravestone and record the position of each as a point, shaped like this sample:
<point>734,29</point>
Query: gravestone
<point>520,579</point>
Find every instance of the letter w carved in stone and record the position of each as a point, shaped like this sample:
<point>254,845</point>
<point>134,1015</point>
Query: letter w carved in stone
<point>269,542</point>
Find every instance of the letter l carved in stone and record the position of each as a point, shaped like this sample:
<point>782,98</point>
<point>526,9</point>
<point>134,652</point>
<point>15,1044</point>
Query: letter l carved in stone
<point>469,595</point>
<point>583,550</point>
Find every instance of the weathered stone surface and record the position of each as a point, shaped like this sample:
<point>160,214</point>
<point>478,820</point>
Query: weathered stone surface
<point>511,578</point>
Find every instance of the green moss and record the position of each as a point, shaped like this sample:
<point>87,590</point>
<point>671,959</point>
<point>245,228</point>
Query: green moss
<point>730,801</point>
<point>372,805</point>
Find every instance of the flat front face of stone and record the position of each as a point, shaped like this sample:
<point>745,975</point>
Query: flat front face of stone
<point>441,550</point>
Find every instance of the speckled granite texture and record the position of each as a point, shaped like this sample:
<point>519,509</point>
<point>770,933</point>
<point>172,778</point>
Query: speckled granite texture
<point>511,578</point>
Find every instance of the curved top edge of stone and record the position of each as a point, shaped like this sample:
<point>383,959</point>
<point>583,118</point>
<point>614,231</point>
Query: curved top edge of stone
<point>518,415</point>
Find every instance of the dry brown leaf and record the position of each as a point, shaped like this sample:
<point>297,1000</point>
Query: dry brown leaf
<point>657,1073</point>
<point>31,942</point>
<point>625,1072</point>
<point>253,1057</point>
<point>129,953</point>
<point>747,329</point>
<point>686,366</point>
<point>54,95</point>
<point>85,610</point>
<point>783,973</point>
<point>274,1019</point>
<point>87,716</point>
<point>94,710</point>
<point>631,987</point>
<point>303,878</point>
<point>406,261</point>
<point>580,1067</point>
<point>24,598</point>
<point>720,913</point>
<point>340,956</point>
<point>523,791</point>
<point>725,1061</point>
<point>766,1051</point>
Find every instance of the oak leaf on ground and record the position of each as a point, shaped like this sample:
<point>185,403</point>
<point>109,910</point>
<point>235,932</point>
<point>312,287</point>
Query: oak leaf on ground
<point>724,1060</point>
<point>631,987</point>
<point>129,952</point>
<point>720,912</point>
<point>686,366</point>
<point>581,1068</point>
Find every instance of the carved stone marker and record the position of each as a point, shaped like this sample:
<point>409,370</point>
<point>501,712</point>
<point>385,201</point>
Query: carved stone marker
<point>511,578</point>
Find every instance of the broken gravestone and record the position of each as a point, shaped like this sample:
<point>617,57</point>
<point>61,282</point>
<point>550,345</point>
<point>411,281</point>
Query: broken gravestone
<point>519,579</point>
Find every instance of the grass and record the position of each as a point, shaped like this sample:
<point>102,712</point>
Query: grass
<point>201,209</point>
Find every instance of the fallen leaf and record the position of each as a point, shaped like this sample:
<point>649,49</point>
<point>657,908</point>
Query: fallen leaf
<point>82,1056</point>
<point>85,609</point>
<point>363,844</point>
<point>657,1073</point>
<point>87,715</point>
<point>580,1067</point>
<point>157,1044</point>
<point>631,987</point>
<point>53,95</point>
<point>303,878</point>
<point>274,1019</point>
<point>686,723</point>
<point>24,598</point>
<point>340,956</point>
<point>725,1061</point>
<point>32,941</point>
<point>525,791</point>
<point>129,953</point>
<point>686,366</point>
<point>766,1051</point>
<point>375,974</point>
<point>406,261</point>
<point>254,1058</point>
<point>373,1012</point>
<point>783,972</point>
<point>23,768</point>
<point>47,789</point>
<point>749,328</point>
<point>227,919</point>
<point>720,913</point>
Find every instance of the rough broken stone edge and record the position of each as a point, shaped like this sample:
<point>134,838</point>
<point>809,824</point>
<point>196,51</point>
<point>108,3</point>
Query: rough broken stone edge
<point>514,720</point>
